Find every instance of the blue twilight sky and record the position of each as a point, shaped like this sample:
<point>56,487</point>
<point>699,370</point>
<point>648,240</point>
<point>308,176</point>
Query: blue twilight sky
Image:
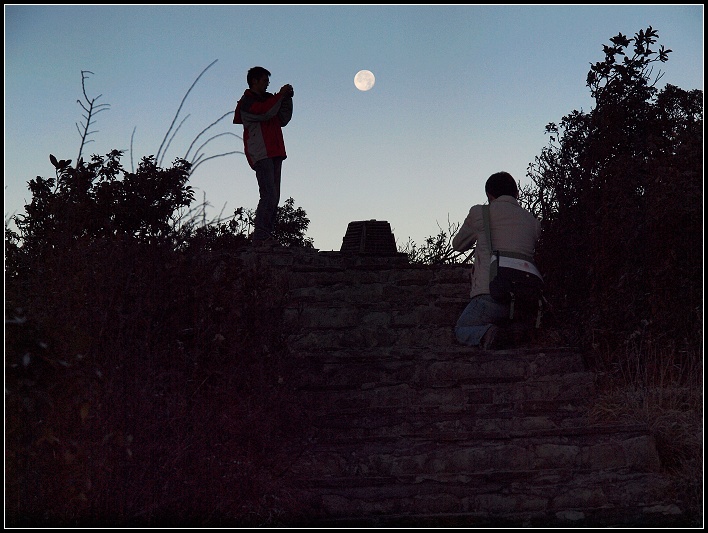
<point>461,91</point>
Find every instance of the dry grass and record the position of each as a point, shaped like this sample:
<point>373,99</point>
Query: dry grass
<point>664,390</point>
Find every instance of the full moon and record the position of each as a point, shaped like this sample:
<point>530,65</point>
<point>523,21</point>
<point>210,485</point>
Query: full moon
<point>364,80</point>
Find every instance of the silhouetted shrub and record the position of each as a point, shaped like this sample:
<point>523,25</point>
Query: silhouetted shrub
<point>619,193</point>
<point>147,378</point>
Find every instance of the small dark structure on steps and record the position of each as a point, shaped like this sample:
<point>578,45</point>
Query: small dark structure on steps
<point>369,237</point>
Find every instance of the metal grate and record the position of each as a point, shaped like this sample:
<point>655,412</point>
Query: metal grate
<point>369,237</point>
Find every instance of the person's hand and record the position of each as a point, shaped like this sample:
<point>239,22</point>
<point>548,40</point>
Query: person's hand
<point>287,90</point>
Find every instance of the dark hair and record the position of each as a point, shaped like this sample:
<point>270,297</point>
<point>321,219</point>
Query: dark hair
<point>501,183</point>
<point>254,74</point>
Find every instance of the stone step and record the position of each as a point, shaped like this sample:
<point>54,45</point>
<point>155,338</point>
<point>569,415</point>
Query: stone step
<point>384,390</point>
<point>570,387</point>
<point>493,421</point>
<point>447,368</point>
<point>442,313</point>
<point>589,478</point>
<point>354,291</point>
<point>369,271</point>
<point>416,457</point>
<point>369,336</point>
<point>438,365</point>
<point>561,497</point>
<point>406,428</point>
<point>317,316</point>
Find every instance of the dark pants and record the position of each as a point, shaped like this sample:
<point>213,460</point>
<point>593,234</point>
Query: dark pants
<point>268,176</point>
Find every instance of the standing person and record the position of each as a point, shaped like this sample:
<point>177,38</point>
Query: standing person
<point>513,229</point>
<point>263,116</point>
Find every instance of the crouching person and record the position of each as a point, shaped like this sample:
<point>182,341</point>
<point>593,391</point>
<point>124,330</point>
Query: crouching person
<point>511,228</point>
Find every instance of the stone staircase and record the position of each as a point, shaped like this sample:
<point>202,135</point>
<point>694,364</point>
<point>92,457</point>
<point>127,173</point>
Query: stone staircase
<point>411,429</point>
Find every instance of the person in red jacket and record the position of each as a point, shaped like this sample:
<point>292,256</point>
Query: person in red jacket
<point>263,116</point>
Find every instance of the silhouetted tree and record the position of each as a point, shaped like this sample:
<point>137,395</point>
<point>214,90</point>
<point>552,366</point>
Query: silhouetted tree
<point>232,233</point>
<point>291,224</point>
<point>619,193</point>
<point>100,200</point>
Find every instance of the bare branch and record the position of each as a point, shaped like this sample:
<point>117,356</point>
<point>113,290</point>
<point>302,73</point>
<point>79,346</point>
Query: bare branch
<point>214,157</point>
<point>180,107</point>
<point>214,137</point>
<point>186,155</point>
<point>132,167</point>
<point>171,138</point>
<point>92,110</point>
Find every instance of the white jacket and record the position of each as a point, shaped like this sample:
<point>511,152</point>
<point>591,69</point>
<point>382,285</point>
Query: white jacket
<point>513,229</point>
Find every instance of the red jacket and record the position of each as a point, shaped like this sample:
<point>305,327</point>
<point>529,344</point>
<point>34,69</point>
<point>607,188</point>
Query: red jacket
<point>262,118</point>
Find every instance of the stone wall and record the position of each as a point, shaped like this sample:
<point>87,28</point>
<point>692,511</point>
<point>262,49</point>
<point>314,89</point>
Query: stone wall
<point>411,429</point>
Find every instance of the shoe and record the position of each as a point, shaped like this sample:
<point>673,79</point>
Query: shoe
<point>489,338</point>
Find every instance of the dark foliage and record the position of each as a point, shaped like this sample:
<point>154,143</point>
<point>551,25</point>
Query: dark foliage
<point>100,200</point>
<point>94,201</point>
<point>146,387</point>
<point>290,227</point>
<point>291,224</point>
<point>619,191</point>
<point>146,377</point>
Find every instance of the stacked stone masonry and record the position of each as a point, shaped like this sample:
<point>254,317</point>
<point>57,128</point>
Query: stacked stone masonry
<point>411,429</point>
